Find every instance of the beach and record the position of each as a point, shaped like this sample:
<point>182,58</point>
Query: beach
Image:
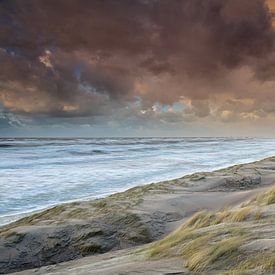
<point>100,236</point>
<point>137,137</point>
<point>38,173</point>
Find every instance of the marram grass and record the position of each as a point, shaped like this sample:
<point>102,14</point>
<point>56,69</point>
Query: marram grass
<point>205,255</point>
<point>211,241</point>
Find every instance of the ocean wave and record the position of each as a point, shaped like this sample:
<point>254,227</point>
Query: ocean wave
<point>26,145</point>
<point>69,169</point>
<point>88,153</point>
<point>5,145</point>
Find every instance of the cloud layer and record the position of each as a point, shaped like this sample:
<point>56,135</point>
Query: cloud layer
<point>214,59</point>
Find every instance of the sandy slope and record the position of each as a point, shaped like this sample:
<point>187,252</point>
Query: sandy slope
<point>135,217</point>
<point>119,262</point>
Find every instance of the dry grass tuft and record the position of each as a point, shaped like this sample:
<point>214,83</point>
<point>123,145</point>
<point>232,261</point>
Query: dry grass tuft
<point>265,198</point>
<point>201,219</point>
<point>240,215</point>
<point>211,241</point>
<point>268,263</point>
<point>270,196</point>
<point>204,255</point>
<point>262,264</point>
<point>163,246</point>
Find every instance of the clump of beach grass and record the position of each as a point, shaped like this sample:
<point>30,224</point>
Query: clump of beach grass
<point>265,198</point>
<point>201,255</point>
<point>270,197</point>
<point>214,240</point>
<point>201,219</point>
<point>255,264</point>
<point>163,246</point>
<point>240,214</point>
<point>207,218</point>
<point>200,249</point>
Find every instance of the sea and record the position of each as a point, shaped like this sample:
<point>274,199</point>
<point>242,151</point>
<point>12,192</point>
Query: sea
<point>38,173</point>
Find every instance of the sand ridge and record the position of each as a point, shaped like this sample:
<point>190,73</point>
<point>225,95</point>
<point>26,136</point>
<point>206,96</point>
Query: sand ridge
<point>125,220</point>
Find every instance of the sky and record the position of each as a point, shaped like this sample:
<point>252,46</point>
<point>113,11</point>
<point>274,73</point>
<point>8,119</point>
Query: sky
<point>137,68</point>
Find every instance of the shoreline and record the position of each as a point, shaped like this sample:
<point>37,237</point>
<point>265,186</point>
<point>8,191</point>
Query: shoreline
<point>128,219</point>
<point>92,198</point>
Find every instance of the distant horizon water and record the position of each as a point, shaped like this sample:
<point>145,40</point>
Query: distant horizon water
<point>37,173</point>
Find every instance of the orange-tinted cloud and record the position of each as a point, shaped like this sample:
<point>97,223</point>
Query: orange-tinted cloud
<point>87,58</point>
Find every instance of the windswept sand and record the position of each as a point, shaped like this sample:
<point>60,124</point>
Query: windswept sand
<point>123,221</point>
<point>118,262</point>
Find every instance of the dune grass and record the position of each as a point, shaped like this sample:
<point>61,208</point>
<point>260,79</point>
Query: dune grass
<point>213,240</point>
<point>241,214</point>
<point>201,255</point>
<point>207,218</point>
<point>163,246</point>
<point>265,198</point>
<point>200,249</point>
<point>259,264</point>
<point>269,197</point>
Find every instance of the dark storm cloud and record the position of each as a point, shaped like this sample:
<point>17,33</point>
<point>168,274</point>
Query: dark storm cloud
<point>82,58</point>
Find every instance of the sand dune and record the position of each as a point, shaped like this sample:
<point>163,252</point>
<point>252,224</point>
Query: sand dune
<point>121,222</point>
